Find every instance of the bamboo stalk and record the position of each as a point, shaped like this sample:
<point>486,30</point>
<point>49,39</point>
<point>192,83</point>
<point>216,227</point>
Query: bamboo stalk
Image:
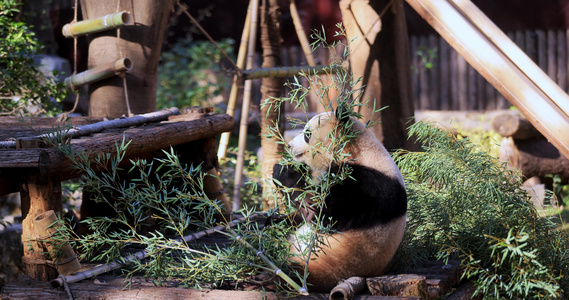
<point>98,73</point>
<point>301,35</point>
<point>498,69</point>
<point>140,255</point>
<point>289,71</point>
<point>244,122</point>
<point>107,22</point>
<point>237,80</point>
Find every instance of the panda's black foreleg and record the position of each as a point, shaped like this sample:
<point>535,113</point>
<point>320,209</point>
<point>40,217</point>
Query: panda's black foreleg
<point>291,185</point>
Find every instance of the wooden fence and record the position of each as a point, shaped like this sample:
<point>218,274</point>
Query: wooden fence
<point>443,80</point>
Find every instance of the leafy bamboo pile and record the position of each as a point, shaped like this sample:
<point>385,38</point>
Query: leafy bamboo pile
<point>463,203</point>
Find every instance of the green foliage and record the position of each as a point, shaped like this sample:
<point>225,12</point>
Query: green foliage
<point>23,88</point>
<point>464,204</point>
<point>428,56</point>
<point>190,75</point>
<point>158,206</point>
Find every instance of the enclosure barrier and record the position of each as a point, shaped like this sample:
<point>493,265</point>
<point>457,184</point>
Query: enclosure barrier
<point>514,75</point>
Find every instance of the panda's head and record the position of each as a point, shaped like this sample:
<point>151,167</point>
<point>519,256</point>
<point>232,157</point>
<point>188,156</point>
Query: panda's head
<point>325,140</point>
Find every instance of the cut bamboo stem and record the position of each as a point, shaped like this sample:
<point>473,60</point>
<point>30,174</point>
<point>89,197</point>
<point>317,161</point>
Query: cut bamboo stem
<point>348,288</point>
<point>301,35</point>
<point>98,73</point>
<point>107,22</point>
<point>63,256</point>
<point>498,68</point>
<point>244,122</point>
<point>237,80</point>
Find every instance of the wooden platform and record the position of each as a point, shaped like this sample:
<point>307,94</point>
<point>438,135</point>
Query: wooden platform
<point>437,280</point>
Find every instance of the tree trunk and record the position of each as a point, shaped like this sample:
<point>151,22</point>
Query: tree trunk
<point>141,42</point>
<point>380,56</point>
<point>270,88</point>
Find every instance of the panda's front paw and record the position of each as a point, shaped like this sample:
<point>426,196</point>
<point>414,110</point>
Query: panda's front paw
<point>286,175</point>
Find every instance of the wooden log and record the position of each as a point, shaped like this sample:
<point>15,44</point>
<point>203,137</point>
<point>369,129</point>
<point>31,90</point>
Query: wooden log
<point>398,285</point>
<point>513,124</point>
<point>534,157</point>
<point>144,140</point>
<point>39,193</point>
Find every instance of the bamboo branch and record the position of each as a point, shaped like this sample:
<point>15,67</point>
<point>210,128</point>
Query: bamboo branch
<point>273,267</point>
<point>289,71</point>
<point>140,255</point>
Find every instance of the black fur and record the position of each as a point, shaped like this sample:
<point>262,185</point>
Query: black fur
<point>369,199</point>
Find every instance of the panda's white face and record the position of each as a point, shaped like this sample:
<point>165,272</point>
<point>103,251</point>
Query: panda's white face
<point>312,146</point>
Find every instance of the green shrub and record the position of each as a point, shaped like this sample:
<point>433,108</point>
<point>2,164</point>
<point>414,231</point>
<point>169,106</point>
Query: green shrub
<point>23,88</point>
<point>190,74</point>
<point>464,204</point>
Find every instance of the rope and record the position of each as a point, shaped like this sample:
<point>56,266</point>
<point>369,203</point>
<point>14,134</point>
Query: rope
<point>123,75</point>
<point>64,115</point>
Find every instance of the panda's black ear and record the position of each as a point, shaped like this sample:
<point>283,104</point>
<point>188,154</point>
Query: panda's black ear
<point>342,113</point>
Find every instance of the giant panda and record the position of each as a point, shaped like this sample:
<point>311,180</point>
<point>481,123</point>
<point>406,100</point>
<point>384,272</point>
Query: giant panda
<point>366,211</point>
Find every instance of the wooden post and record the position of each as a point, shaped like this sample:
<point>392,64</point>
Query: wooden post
<point>141,42</point>
<point>39,193</point>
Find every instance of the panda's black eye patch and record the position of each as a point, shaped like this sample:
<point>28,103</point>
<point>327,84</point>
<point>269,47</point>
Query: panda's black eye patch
<point>307,135</point>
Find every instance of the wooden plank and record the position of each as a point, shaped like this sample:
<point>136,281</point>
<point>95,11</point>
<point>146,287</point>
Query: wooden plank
<point>551,55</point>
<point>541,49</point>
<point>471,83</point>
<point>462,78</point>
<point>561,60</point>
<point>444,79</point>
<point>454,83</point>
<point>530,45</point>
<point>424,101</point>
<point>497,67</point>
<point>433,72</point>
<point>413,44</point>
<point>144,140</point>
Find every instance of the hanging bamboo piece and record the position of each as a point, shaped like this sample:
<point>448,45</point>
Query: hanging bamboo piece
<point>107,22</point>
<point>99,73</point>
<point>301,34</point>
<point>245,109</point>
<point>237,80</point>
<point>63,256</point>
<point>530,97</point>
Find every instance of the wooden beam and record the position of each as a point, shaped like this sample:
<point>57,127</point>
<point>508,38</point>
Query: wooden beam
<point>529,96</point>
<point>144,140</point>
